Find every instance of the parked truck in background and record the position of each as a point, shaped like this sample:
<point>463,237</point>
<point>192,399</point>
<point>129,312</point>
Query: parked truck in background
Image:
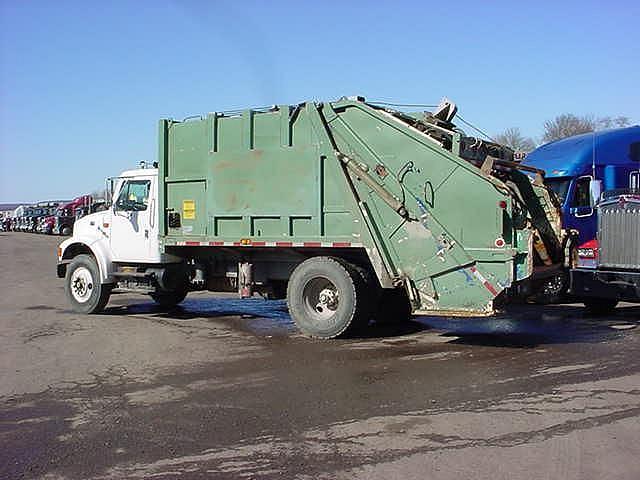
<point>46,224</point>
<point>579,168</point>
<point>608,269</point>
<point>35,215</point>
<point>351,211</point>
<point>47,220</point>
<point>65,216</point>
<point>27,218</point>
<point>18,213</point>
<point>96,205</point>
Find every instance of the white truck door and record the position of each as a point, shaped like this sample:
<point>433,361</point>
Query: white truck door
<point>133,231</point>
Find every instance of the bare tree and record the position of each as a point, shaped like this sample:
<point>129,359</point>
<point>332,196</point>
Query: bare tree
<point>613,122</point>
<point>568,125</point>
<point>513,139</point>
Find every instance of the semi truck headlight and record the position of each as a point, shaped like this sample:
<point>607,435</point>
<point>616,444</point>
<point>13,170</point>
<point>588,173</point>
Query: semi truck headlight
<point>587,252</point>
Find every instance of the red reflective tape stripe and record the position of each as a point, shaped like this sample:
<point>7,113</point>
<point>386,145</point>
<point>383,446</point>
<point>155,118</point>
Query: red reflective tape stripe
<point>484,281</point>
<point>490,287</point>
<point>312,244</point>
<point>217,243</point>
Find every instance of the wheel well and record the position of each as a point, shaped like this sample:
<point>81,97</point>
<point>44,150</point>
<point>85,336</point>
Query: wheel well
<point>76,249</point>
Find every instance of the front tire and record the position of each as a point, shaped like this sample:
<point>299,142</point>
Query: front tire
<point>326,298</point>
<point>82,286</point>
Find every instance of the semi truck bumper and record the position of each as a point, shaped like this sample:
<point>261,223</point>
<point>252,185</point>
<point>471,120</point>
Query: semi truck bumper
<point>624,286</point>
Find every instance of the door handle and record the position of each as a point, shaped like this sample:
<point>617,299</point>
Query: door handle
<point>152,213</point>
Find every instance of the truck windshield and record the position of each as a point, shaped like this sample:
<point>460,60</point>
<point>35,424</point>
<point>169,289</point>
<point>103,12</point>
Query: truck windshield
<point>560,186</point>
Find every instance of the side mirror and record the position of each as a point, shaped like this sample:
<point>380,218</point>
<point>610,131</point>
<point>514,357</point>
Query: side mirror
<point>595,190</point>
<point>109,193</point>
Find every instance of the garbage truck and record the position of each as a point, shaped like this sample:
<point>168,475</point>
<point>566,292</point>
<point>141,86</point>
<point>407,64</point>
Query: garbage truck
<point>352,211</point>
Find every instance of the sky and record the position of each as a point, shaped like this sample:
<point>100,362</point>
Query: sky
<point>83,83</point>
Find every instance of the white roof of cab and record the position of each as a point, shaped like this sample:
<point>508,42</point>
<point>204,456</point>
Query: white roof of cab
<point>140,172</point>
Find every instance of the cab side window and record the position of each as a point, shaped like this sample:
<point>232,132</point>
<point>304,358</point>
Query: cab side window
<point>581,194</point>
<point>634,151</point>
<point>134,196</point>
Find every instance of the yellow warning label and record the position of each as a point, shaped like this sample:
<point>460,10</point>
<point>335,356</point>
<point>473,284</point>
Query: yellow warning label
<point>189,209</point>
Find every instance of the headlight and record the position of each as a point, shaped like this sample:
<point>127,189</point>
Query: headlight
<point>587,252</point>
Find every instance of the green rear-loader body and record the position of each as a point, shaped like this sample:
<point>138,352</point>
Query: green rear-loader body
<point>450,218</point>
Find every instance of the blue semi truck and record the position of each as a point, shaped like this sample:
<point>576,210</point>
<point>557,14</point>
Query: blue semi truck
<point>579,168</point>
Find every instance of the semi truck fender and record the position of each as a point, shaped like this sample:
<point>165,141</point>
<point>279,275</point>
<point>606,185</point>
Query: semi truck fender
<point>78,245</point>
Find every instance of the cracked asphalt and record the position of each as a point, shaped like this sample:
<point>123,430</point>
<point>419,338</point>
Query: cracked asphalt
<point>223,388</point>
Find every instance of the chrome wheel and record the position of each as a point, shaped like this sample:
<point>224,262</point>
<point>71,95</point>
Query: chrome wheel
<point>326,297</point>
<point>81,284</point>
<point>321,298</point>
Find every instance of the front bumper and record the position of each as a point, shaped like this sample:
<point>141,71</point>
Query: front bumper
<point>618,285</point>
<point>61,268</point>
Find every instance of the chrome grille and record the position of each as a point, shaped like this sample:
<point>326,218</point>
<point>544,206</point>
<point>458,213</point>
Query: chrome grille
<point>619,235</point>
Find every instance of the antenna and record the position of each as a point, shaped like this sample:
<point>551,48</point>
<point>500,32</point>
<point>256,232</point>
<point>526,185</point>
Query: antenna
<point>593,155</point>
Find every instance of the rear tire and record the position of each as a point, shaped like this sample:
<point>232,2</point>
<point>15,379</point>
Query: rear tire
<point>82,286</point>
<point>600,306</point>
<point>326,298</point>
<point>169,299</point>
<point>65,231</point>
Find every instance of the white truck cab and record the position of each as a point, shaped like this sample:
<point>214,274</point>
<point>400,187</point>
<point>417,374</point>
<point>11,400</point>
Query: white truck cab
<point>118,243</point>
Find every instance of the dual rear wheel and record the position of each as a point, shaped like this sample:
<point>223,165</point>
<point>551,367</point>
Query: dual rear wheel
<point>329,297</point>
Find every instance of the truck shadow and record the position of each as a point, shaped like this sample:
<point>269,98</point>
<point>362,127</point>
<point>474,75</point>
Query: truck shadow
<point>259,316</point>
<point>519,326</point>
<point>528,326</point>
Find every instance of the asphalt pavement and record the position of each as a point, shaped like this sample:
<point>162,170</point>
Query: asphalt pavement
<point>226,388</point>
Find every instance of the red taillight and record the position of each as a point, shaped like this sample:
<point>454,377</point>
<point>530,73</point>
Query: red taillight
<point>502,204</point>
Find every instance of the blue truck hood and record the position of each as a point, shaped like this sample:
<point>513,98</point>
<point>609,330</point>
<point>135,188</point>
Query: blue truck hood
<point>573,156</point>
